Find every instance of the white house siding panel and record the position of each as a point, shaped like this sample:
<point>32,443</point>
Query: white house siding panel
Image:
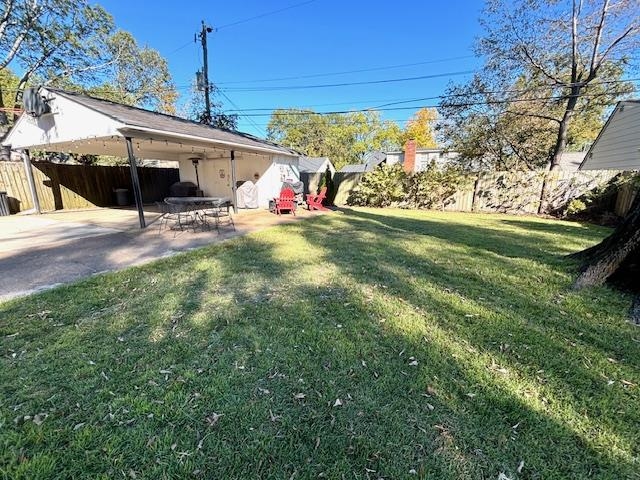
<point>68,122</point>
<point>395,157</point>
<point>282,169</point>
<point>424,159</point>
<point>618,147</point>
<point>215,174</point>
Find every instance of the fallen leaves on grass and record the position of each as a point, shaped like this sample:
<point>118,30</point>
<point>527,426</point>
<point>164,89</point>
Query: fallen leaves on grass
<point>40,418</point>
<point>213,418</point>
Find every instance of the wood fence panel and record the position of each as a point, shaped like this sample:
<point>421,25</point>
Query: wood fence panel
<point>461,201</point>
<point>81,186</point>
<point>312,181</point>
<point>626,196</point>
<point>344,183</point>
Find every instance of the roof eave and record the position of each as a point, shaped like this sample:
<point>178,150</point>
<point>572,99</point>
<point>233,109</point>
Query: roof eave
<point>136,130</point>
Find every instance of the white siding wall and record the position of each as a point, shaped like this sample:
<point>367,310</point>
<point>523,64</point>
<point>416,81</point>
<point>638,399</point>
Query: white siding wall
<point>395,157</point>
<point>618,147</point>
<point>423,159</point>
<point>282,169</point>
<point>68,121</point>
<point>272,171</point>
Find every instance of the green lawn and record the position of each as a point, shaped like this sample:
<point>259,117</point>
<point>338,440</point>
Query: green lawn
<point>360,345</point>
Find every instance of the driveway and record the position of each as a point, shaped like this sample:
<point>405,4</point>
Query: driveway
<point>42,251</point>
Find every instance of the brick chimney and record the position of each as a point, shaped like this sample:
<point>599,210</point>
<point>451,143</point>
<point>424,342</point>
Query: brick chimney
<point>410,156</point>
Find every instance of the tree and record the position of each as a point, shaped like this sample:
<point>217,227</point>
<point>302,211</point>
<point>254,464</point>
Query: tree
<point>53,39</point>
<point>547,61</point>
<point>195,109</point>
<point>8,83</point>
<point>616,257</point>
<point>420,128</point>
<point>71,44</point>
<point>344,138</point>
<point>135,76</point>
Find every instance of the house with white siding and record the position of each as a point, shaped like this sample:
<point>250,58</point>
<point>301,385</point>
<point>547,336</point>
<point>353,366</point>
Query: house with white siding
<point>618,144</point>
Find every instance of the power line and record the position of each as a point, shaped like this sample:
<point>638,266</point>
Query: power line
<point>249,119</point>
<point>346,72</point>
<point>348,84</point>
<point>180,48</point>
<point>391,109</point>
<point>384,106</point>
<point>391,102</point>
<point>262,15</point>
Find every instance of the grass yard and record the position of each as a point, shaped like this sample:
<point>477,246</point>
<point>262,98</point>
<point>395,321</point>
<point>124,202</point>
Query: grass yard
<point>361,345</point>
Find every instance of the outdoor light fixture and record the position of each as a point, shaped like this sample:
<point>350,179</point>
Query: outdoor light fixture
<point>195,161</point>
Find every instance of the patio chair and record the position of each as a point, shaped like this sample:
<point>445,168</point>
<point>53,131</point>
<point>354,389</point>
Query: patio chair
<point>286,201</point>
<point>176,216</point>
<point>220,213</point>
<point>314,202</point>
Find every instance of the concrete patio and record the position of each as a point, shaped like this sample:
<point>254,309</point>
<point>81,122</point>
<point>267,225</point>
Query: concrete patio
<point>38,252</point>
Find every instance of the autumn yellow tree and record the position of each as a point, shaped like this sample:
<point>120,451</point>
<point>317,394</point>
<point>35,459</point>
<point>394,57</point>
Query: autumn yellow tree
<point>420,128</point>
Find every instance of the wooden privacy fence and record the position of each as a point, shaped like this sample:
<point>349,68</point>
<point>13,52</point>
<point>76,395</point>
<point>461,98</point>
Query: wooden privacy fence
<point>507,192</point>
<point>626,196</point>
<point>80,186</point>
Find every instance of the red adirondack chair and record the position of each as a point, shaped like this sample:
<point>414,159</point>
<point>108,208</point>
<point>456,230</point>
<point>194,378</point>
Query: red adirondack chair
<point>314,202</point>
<point>286,201</point>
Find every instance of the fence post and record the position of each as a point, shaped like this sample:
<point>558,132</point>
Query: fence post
<point>32,184</point>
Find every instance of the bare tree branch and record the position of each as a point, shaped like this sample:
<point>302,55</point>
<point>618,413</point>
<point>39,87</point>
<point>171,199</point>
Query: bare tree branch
<point>596,42</point>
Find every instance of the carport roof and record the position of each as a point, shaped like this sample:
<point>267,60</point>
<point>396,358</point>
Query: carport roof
<point>133,120</point>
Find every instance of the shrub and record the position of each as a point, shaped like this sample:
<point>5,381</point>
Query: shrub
<point>575,207</point>
<point>327,181</point>
<point>382,187</point>
<point>434,186</point>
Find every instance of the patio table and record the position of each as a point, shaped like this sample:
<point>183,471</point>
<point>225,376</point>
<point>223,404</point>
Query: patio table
<point>203,207</point>
<point>197,201</point>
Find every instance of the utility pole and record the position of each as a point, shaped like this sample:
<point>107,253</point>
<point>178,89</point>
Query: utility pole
<point>203,39</point>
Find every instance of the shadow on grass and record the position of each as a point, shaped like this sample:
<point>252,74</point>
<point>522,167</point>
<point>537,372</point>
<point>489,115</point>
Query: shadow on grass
<point>269,330</point>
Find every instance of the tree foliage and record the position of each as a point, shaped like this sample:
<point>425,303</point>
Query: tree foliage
<point>136,76</point>
<point>552,69</point>
<point>195,109</point>
<point>72,44</point>
<point>345,138</point>
<point>420,128</point>
<point>53,39</point>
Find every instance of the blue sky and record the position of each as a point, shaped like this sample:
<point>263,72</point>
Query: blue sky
<point>318,37</point>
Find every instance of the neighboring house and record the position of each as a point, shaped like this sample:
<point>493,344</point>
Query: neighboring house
<point>371,161</point>
<point>315,165</point>
<point>413,159</point>
<point>618,144</point>
<point>353,168</point>
<point>571,161</point>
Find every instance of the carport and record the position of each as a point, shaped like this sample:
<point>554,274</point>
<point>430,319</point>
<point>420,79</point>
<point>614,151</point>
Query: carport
<point>59,121</point>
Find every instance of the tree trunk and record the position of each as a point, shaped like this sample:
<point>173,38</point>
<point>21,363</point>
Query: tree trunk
<point>604,259</point>
<point>561,141</point>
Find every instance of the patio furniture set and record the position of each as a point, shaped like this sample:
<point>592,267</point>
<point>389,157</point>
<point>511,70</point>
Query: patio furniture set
<point>195,213</point>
